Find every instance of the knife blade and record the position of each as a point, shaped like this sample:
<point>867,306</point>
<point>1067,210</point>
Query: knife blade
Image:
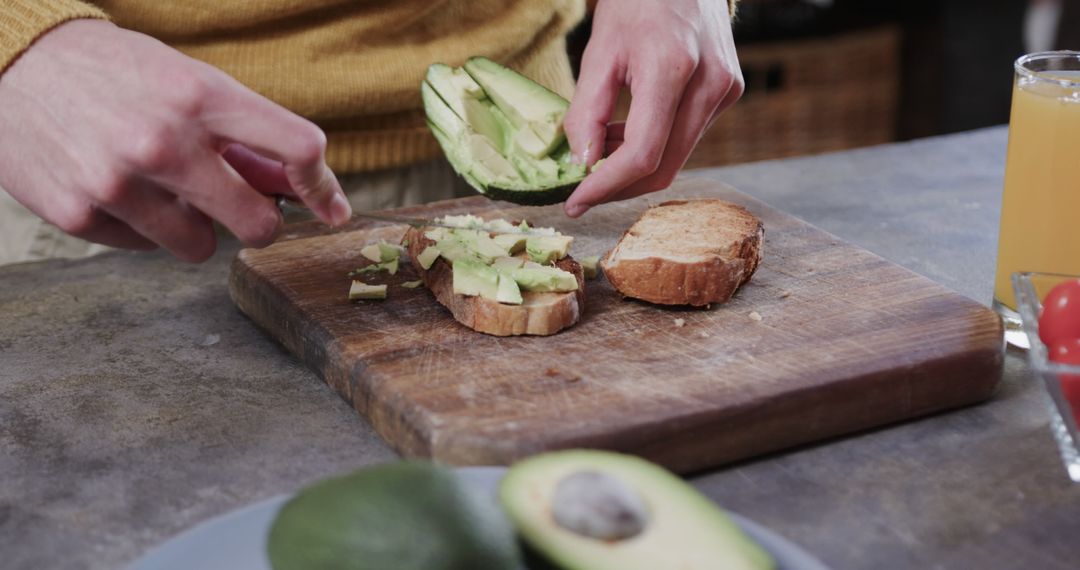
<point>288,205</point>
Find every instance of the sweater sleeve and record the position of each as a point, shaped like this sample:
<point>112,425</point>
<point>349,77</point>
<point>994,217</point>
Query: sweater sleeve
<point>24,21</point>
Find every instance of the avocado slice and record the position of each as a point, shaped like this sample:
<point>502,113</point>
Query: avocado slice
<point>535,111</point>
<point>598,510</point>
<point>542,278</point>
<point>508,291</point>
<point>390,267</point>
<point>512,243</point>
<point>427,257</point>
<point>501,131</point>
<point>475,278</point>
<point>404,515</point>
<point>381,251</point>
<point>504,263</point>
<point>590,266</point>
<point>471,243</point>
<point>547,249</point>
<point>361,290</point>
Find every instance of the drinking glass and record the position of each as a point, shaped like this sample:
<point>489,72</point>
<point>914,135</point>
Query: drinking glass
<point>1040,209</point>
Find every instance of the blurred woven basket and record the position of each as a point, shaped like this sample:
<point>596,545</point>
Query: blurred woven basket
<point>808,96</point>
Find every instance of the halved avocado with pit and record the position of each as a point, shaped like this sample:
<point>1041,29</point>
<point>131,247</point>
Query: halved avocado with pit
<point>501,131</point>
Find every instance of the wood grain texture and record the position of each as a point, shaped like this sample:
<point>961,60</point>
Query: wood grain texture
<point>846,341</point>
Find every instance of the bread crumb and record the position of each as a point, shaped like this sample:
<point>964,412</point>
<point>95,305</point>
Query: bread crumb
<point>703,334</point>
<point>785,294</point>
<point>551,372</point>
<point>680,323</point>
<point>754,316</point>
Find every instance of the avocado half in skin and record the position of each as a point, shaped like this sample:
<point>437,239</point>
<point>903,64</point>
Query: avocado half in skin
<point>501,131</point>
<point>408,515</point>
<point>598,510</point>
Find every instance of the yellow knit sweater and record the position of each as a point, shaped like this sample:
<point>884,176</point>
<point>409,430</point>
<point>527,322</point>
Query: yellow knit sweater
<point>352,66</point>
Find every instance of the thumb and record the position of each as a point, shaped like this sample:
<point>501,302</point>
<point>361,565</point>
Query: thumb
<point>594,101</point>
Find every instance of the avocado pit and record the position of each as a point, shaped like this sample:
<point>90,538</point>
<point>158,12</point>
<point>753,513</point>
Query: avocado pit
<point>598,505</point>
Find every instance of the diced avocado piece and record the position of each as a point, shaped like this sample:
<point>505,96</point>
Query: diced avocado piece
<point>437,233</point>
<point>361,290</point>
<point>512,243</point>
<point>477,242</point>
<point>391,266</point>
<point>468,221</point>
<point>546,249</point>
<point>508,262</point>
<point>508,292</point>
<point>543,279</point>
<point>453,249</point>
<point>405,515</point>
<point>590,266</point>
<point>475,278</point>
<point>412,284</point>
<point>381,251</point>
<point>499,225</point>
<point>535,111</point>
<point>427,257</point>
<point>599,510</point>
<point>388,266</point>
<point>371,251</point>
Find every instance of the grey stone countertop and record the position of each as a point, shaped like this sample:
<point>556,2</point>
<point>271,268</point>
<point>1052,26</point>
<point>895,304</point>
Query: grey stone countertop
<point>135,401</point>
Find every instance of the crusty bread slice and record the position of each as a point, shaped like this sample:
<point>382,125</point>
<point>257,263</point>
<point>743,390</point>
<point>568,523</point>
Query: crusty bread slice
<point>539,313</point>
<point>686,252</point>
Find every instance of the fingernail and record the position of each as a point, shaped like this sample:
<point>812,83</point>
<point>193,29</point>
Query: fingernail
<point>577,210</point>
<point>582,157</point>
<point>340,210</point>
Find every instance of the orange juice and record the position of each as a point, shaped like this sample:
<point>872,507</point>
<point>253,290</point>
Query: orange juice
<point>1040,210</point>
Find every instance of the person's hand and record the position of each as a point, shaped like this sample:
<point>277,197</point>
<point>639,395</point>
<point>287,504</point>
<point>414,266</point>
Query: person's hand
<point>678,59</point>
<point>118,139</point>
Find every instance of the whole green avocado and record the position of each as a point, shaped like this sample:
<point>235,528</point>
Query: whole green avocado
<point>401,516</point>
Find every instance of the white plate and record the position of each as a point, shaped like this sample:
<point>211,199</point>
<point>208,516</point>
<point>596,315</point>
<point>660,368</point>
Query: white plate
<point>237,540</point>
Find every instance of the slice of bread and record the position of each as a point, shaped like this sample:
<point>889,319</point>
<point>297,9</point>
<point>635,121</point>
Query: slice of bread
<point>538,314</point>
<point>686,252</point>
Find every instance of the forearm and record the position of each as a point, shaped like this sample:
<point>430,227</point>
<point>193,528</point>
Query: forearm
<point>23,21</point>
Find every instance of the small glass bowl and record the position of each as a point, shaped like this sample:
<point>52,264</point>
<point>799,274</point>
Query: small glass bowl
<point>1031,288</point>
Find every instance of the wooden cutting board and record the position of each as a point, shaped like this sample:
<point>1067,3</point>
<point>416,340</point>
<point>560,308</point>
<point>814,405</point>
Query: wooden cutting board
<point>826,339</point>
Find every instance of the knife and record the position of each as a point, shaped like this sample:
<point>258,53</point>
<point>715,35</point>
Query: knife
<point>289,205</point>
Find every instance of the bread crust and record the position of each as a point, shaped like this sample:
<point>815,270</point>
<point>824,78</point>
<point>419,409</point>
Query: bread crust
<point>713,278</point>
<point>539,314</point>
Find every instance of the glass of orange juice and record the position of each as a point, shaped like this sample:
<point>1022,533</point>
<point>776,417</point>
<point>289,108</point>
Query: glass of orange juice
<point>1040,209</point>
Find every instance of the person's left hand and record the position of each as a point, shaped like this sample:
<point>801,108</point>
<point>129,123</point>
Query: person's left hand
<point>678,59</point>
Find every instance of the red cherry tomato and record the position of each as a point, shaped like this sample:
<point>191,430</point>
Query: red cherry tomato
<point>1068,352</point>
<point>1060,317</point>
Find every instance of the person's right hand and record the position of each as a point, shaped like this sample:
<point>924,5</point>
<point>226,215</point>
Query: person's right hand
<point>118,139</point>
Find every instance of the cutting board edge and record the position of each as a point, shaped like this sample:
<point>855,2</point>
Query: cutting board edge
<point>985,368</point>
<point>313,345</point>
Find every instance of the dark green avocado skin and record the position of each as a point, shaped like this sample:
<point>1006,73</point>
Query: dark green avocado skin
<point>538,197</point>
<point>407,515</point>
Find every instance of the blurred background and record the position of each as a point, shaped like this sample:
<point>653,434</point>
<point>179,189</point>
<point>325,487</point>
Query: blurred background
<point>825,75</point>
